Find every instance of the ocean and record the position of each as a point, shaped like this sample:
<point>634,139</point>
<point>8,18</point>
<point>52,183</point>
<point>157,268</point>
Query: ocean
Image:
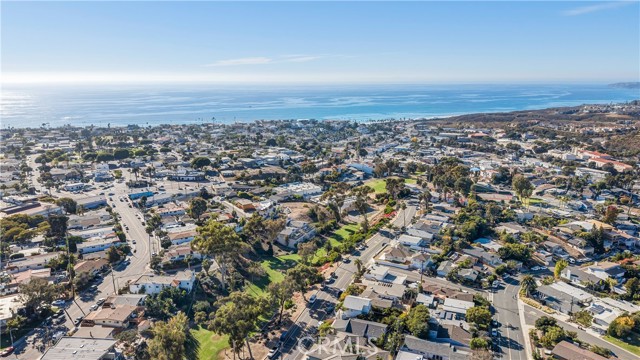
<point>182,104</point>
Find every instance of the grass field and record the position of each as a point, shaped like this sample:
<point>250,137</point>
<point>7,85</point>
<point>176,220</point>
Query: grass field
<point>274,267</point>
<point>632,346</point>
<point>378,185</point>
<point>342,233</point>
<point>210,343</point>
<point>336,239</point>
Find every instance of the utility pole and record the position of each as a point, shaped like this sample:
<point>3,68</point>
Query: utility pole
<point>113,279</point>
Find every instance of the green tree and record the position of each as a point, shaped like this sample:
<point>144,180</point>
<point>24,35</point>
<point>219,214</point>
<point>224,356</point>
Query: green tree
<point>279,293</point>
<point>69,205</point>
<point>301,276</point>
<point>559,266</point>
<point>113,254</point>
<point>36,292</point>
<point>57,225</point>
<point>528,285</point>
<point>610,214</point>
<point>522,187</point>
<point>552,336</point>
<point>200,162</point>
<point>197,207</point>
<point>425,197</point>
<point>361,203</point>
<point>236,317</point>
<point>544,322</point>
<point>121,154</point>
<point>220,242</point>
<point>82,279</point>
<point>621,327</point>
<point>173,340</point>
<point>479,343</point>
<point>583,318</point>
<point>307,250</point>
<point>394,187</point>
<point>479,315</point>
<point>417,321</point>
<point>520,252</point>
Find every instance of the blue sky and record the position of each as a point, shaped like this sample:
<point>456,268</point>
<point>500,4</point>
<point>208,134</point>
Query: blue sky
<point>320,42</point>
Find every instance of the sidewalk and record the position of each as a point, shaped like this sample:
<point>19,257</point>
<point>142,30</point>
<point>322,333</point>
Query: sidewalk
<point>525,330</point>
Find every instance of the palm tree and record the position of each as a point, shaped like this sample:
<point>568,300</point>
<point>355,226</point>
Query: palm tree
<point>528,285</point>
<point>358,263</point>
<point>426,198</point>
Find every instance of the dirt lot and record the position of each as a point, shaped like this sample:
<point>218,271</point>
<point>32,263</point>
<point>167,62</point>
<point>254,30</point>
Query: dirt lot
<point>298,210</point>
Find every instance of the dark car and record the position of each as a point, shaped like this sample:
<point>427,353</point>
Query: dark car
<point>283,337</point>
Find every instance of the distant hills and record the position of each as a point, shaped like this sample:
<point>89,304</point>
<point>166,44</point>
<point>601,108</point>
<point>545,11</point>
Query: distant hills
<point>626,85</point>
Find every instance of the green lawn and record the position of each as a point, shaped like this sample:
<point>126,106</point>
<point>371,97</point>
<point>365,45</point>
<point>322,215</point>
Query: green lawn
<point>341,234</point>
<point>632,346</point>
<point>378,185</point>
<point>210,343</point>
<point>274,267</point>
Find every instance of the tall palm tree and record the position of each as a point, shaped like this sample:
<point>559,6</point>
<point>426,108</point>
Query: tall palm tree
<point>358,263</point>
<point>426,198</point>
<point>528,284</point>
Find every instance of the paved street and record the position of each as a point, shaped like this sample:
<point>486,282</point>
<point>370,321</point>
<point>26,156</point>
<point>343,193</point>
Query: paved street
<point>531,314</point>
<point>344,273</point>
<point>139,261</point>
<point>511,340</point>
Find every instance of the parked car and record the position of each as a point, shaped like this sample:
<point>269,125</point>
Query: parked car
<point>94,307</point>
<point>272,352</point>
<point>8,351</point>
<point>101,301</point>
<point>312,298</point>
<point>58,303</point>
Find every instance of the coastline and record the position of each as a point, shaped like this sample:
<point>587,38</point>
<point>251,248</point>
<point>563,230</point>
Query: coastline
<point>152,107</point>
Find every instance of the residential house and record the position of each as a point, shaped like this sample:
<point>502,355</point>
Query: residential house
<point>181,237</point>
<point>116,316</point>
<point>565,350</point>
<point>606,269</point>
<point>82,348</point>
<point>152,284</point>
<point>31,262</point>
<point>97,244</point>
<point>296,232</point>
<point>413,242</point>
<point>459,307</point>
<point>419,349</point>
<point>341,347</point>
<point>354,306</point>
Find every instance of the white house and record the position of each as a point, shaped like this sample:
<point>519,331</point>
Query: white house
<point>413,242</point>
<point>153,284</point>
<point>354,306</point>
<point>182,237</point>
<point>296,232</point>
<point>97,245</point>
<point>457,306</point>
<point>74,186</point>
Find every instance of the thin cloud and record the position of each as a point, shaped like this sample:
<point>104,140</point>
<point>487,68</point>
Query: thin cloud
<point>243,61</point>
<point>596,8</point>
<point>300,58</point>
<point>261,60</point>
